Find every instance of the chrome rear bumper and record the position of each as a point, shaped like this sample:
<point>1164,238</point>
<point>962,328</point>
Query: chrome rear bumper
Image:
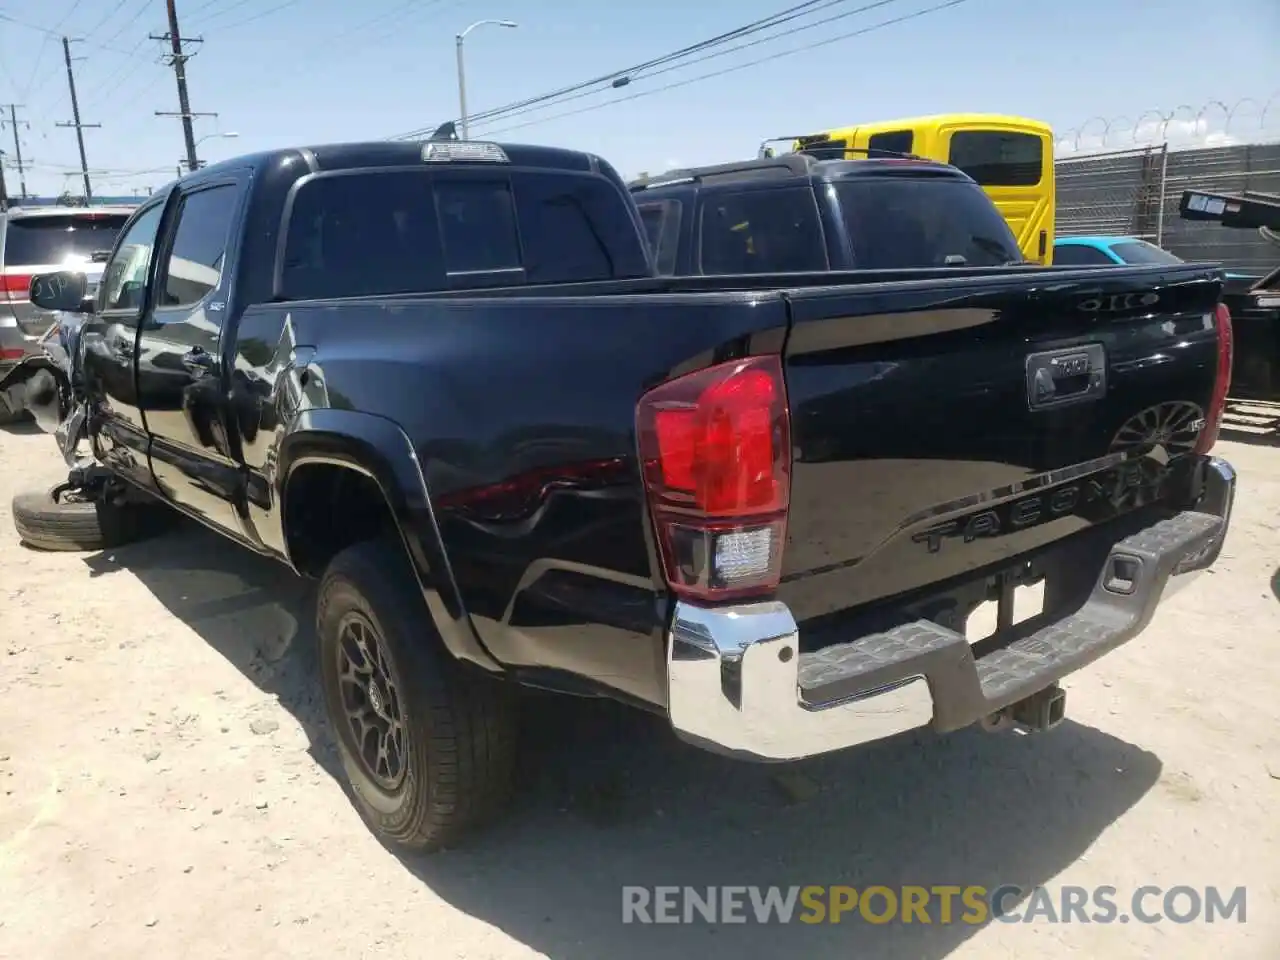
<point>738,684</point>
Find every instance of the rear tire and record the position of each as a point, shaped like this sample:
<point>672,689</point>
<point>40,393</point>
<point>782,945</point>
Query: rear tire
<point>57,520</point>
<point>453,730</point>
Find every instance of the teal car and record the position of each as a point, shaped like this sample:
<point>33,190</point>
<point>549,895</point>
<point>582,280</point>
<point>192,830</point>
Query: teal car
<point>1100,251</point>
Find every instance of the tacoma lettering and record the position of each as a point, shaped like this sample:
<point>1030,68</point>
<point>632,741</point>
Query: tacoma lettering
<point>1104,489</point>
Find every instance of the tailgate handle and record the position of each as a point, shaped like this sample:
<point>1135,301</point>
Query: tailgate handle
<point>1058,378</point>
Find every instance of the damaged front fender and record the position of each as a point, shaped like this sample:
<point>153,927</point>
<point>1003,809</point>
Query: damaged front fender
<point>42,386</point>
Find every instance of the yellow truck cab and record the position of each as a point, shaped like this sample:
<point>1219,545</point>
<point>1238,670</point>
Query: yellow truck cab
<point>1011,158</point>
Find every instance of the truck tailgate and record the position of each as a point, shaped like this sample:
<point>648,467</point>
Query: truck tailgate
<point>943,426</point>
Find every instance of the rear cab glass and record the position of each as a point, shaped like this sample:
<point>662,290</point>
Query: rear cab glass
<point>901,222</point>
<point>54,239</point>
<point>378,232</point>
<point>997,158</point>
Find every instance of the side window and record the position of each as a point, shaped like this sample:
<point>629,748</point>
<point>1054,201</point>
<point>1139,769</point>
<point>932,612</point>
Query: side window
<point>477,225</point>
<point>1078,255</point>
<point>662,228</point>
<point>894,141</point>
<point>762,231</point>
<point>124,281</point>
<point>199,244</point>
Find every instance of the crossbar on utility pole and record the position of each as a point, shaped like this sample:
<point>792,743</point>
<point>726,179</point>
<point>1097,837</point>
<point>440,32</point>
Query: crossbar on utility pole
<point>75,113</point>
<point>17,146</point>
<point>178,60</point>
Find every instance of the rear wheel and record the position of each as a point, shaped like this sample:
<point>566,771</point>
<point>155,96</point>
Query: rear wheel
<point>427,746</point>
<point>69,518</point>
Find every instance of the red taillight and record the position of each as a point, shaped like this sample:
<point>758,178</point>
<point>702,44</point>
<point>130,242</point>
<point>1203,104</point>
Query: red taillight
<point>715,446</point>
<point>1221,383</point>
<point>15,286</point>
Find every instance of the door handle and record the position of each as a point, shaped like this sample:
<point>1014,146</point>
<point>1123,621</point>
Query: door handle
<point>198,360</point>
<point>1058,378</point>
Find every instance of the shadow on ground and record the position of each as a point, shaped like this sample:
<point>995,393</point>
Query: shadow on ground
<point>609,798</point>
<point>22,428</point>
<point>1254,422</point>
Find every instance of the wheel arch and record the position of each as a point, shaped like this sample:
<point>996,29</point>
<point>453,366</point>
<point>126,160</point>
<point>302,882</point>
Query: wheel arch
<point>340,460</point>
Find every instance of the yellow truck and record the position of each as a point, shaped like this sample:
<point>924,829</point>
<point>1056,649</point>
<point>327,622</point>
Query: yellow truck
<point>1010,157</point>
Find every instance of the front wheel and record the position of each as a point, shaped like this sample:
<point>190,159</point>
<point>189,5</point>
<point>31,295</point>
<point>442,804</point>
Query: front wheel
<point>427,746</point>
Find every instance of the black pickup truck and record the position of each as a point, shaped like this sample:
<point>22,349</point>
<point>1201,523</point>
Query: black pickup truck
<point>447,380</point>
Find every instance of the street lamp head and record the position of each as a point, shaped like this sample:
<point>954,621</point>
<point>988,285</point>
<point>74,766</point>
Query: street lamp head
<point>232,134</point>
<point>481,23</point>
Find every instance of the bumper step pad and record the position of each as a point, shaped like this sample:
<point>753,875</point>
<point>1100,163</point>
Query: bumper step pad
<point>965,689</point>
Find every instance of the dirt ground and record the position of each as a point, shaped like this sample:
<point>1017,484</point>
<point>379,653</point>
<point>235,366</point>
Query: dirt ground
<point>170,789</point>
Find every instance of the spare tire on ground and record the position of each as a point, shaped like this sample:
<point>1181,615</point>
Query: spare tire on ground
<point>63,518</point>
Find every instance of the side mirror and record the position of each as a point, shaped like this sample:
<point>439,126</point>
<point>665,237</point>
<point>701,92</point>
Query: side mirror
<point>64,290</point>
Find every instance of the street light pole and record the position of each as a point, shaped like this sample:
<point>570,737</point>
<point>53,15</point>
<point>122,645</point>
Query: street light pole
<point>462,73</point>
<point>229,135</point>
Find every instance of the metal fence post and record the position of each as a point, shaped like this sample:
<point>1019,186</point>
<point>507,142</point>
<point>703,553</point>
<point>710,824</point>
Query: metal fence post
<point>1164,179</point>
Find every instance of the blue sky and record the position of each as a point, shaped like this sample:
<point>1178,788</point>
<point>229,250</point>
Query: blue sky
<point>283,72</point>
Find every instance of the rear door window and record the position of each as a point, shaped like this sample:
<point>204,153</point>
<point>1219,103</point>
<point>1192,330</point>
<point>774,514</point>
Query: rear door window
<point>762,231</point>
<point>999,159</point>
<point>56,239</point>
<point>901,222</point>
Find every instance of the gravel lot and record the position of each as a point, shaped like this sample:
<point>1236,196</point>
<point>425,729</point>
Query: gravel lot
<point>170,791</point>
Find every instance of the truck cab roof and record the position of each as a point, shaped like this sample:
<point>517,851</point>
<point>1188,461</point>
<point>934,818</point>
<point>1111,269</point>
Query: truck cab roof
<point>798,166</point>
<point>382,154</point>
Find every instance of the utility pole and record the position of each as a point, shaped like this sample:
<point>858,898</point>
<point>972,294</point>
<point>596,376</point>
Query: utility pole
<point>75,113</point>
<point>178,60</point>
<point>4,191</point>
<point>17,147</point>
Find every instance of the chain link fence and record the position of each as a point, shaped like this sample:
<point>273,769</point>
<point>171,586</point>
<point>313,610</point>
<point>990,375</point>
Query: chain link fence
<point>1136,193</point>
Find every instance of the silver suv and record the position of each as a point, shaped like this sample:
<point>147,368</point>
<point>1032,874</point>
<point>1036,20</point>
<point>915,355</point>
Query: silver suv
<point>40,240</point>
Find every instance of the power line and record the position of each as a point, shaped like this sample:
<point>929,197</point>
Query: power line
<point>866,8</point>
<point>259,15</point>
<point>754,26</point>
<point>53,33</point>
<point>103,22</point>
<point>736,67</point>
<point>223,11</point>
<point>143,8</point>
<point>113,83</point>
<point>44,42</point>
